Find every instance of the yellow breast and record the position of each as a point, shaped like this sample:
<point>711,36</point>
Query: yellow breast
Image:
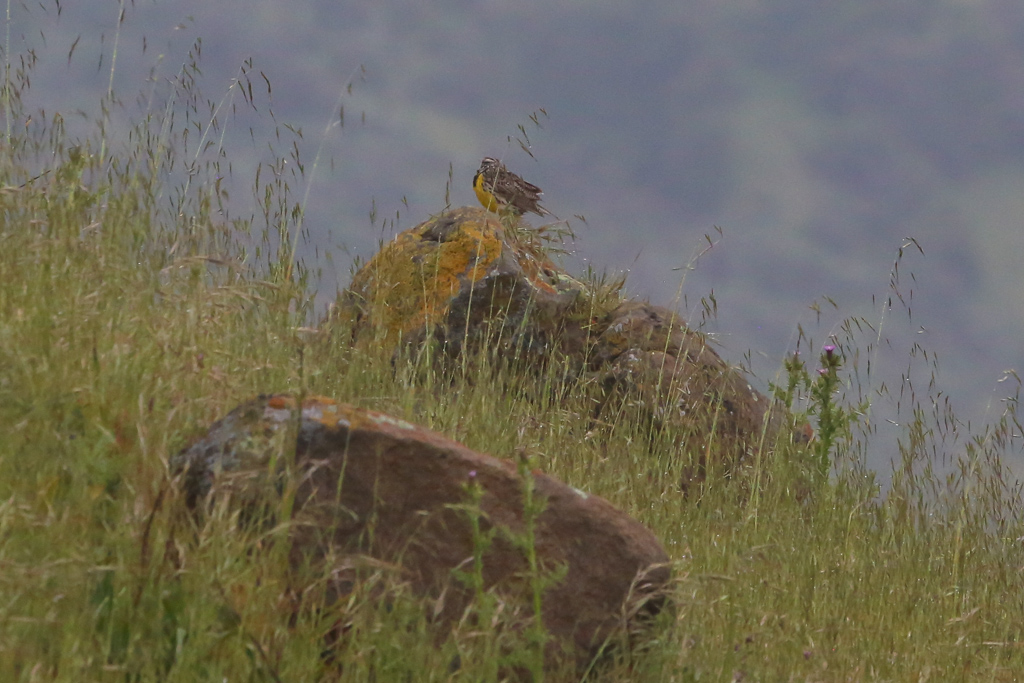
<point>483,195</point>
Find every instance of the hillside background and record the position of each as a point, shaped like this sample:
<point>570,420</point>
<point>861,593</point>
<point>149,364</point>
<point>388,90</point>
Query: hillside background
<point>817,136</point>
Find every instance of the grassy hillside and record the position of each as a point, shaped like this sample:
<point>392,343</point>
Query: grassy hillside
<point>132,315</point>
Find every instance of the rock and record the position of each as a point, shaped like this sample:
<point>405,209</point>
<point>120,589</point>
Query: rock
<point>398,501</point>
<point>462,277</point>
<point>646,355</point>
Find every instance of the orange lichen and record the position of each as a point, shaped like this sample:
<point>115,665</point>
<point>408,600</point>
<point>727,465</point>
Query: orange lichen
<point>281,402</point>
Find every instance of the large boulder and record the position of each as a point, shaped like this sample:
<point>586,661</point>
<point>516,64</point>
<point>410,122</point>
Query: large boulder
<point>373,485</point>
<point>463,277</point>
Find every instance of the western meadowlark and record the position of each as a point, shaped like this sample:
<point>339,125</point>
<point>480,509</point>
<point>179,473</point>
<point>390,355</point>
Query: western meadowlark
<point>500,189</point>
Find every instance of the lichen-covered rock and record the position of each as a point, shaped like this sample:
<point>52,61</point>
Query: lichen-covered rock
<point>457,278</point>
<point>373,485</point>
<point>460,278</point>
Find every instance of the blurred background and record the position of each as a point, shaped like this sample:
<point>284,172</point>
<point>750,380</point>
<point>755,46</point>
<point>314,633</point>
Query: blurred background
<point>807,140</point>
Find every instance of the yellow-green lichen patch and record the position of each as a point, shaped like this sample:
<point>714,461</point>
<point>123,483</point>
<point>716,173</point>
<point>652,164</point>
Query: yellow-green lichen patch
<point>468,255</point>
<point>410,283</point>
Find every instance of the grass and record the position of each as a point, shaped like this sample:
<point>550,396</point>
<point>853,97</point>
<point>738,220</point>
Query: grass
<point>132,315</point>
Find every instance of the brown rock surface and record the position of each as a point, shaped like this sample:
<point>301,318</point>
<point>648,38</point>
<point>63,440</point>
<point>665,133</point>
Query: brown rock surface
<point>646,354</point>
<point>371,484</point>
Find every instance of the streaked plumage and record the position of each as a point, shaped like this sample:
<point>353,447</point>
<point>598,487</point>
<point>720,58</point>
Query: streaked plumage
<point>499,189</point>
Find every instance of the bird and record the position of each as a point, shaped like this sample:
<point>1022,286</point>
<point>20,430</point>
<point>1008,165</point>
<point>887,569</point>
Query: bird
<point>499,189</point>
